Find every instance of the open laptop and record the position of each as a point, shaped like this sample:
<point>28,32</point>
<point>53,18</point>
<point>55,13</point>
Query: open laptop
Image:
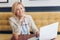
<point>49,31</point>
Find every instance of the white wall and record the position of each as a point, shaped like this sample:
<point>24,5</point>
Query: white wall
<point>8,4</point>
<point>34,3</point>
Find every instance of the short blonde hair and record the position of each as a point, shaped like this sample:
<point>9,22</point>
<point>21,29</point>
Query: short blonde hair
<point>15,5</point>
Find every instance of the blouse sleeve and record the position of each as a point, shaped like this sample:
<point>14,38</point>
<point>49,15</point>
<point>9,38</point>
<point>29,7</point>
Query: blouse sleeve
<point>32,24</point>
<point>13,26</point>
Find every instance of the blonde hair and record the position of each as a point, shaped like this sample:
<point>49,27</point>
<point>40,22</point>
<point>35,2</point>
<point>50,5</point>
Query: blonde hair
<point>15,5</point>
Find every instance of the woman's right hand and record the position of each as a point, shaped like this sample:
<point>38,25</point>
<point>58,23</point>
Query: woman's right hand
<point>15,35</point>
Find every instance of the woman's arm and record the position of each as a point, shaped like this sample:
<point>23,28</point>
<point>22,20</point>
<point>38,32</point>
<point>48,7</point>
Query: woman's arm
<point>14,30</point>
<point>34,27</point>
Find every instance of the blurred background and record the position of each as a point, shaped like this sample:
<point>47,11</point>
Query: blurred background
<point>44,12</point>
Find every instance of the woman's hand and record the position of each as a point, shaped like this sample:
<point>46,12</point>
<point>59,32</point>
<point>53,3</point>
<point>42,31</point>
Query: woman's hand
<point>37,34</point>
<point>15,36</point>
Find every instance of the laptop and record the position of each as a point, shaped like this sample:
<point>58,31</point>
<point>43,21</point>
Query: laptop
<point>49,32</point>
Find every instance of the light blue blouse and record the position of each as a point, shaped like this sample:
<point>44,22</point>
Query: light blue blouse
<point>24,28</point>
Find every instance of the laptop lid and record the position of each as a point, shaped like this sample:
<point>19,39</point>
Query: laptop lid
<point>49,31</point>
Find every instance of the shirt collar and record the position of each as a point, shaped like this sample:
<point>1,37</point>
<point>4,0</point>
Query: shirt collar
<point>17,18</point>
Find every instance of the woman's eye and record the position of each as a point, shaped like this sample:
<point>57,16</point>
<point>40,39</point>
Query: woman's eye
<point>21,8</point>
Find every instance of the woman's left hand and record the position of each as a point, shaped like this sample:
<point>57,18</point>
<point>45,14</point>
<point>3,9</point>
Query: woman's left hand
<point>37,34</point>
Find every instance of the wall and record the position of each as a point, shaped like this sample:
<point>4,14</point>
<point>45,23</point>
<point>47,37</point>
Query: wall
<point>33,3</point>
<point>9,4</point>
<point>48,5</point>
<point>40,3</point>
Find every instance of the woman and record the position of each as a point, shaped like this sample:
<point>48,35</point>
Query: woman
<point>21,22</point>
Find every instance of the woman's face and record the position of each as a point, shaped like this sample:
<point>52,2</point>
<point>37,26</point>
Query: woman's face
<point>19,10</point>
